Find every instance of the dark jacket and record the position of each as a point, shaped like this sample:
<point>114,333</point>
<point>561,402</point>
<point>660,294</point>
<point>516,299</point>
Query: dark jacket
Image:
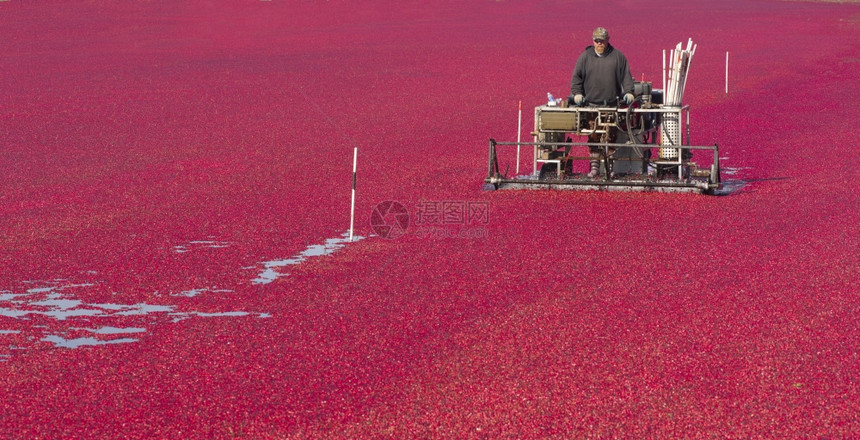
<point>601,79</point>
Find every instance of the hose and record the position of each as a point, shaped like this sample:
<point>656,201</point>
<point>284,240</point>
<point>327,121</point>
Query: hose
<point>628,120</point>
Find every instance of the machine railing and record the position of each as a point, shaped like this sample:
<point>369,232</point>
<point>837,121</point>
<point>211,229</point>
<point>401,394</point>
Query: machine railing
<point>619,139</point>
<point>494,172</point>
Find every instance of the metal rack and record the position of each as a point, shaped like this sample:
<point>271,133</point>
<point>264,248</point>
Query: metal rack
<point>645,129</point>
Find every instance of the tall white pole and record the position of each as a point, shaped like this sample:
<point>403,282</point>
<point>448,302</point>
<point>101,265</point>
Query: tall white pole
<point>352,209</point>
<point>519,132</point>
<point>727,72</point>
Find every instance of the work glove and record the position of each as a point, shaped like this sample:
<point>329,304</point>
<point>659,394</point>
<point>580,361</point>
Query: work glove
<point>628,98</point>
<point>578,99</point>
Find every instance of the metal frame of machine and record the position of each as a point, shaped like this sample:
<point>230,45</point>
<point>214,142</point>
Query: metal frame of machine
<point>652,151</point>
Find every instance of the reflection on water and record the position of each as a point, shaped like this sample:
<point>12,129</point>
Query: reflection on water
<point>194,292</point>
<point>56,301</point>
<point>51,311</point>
<point>61,342</point>
<point>270,272</point>
<point>195,244</point>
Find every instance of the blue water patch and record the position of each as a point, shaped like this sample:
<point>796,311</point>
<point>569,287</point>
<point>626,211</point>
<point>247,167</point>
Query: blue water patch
<point>56,300</point>
<point>197,244</point>
<point>270,273</point>
<point>61,342</point>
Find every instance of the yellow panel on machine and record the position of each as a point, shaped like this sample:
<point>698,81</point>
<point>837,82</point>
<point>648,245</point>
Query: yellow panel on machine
<point>557,119</point>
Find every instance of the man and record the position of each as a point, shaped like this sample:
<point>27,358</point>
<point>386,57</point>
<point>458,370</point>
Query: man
<point>600,77</point>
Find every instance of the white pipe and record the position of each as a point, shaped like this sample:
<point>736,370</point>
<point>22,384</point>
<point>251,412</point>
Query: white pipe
<point>680,150</point>
<point>687,70</point>
<point>352,209</point>
<point>678,77</point>
<point>679,66</point>
<point>668,99</point>
<point>676,73</point>
<point>727,72</point>
<point>671,84</point>
<point>535,155</point>
<point>519,133</point>
<point>664,74</point>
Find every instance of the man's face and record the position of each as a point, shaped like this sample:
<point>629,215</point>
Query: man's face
<point>600,46</point>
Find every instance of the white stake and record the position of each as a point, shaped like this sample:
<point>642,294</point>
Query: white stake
<point>727,72</point>
<point>352,209</point>
<point>519,132</point>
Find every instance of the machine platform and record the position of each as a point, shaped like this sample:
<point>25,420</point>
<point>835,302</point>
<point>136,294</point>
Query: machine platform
<point>644,147</point>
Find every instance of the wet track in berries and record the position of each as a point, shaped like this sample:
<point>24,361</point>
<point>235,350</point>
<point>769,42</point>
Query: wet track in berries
<point>175,195</point>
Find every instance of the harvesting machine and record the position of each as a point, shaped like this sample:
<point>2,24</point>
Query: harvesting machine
<point>644,146</point>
